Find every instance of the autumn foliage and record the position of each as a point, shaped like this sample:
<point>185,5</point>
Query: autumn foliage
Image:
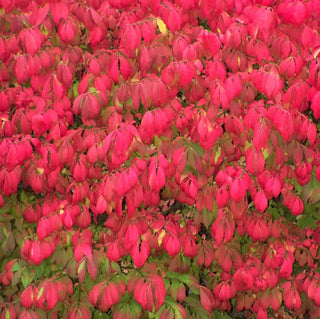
<point>159,159</point>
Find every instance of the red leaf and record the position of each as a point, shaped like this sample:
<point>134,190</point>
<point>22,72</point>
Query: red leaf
<point>65,75</point>
<point>291,66</point>
<point>36,254</point>
<point>58,88</point>
<point>260,201</point>
<point>140,253</point>
<point>121,187</point>
<point>131,236</point>
<point>79,312</point>
<point>254,161</point>
<point>38,14</point>
<point>171,244</point>
<point>159,93</point>
<point>31,40</point>
<point>315,105</point>
<point>189,246</point>
<point>143,294</point>
<point>80,172</point>
<point>110,296</point>
<point>291,296</point>
<point>261,135</point>
<point>115,251</point>
<point>146,129</point>
<point>4,102</point>
<point>207,299</point>
<point>95,294</point>
<point>225,291</point>
<point>27,297</point>
<point>211,43</point>
<point>20,69</point>
<point>172,18</point>
<point>59,10</point>
<point>216,70</point>
<point>43,228</point>
<point>244,278</point>
<point>148,31</point>
<point>219,95</point>
<point>66,31</point>
<point>52,296</point>
<point>257,229</point>
<point>293,12</point>
<point>237,190</point>
<point>223,228</point>
<point>131,39</point>
<point>296,205</point>
<point>27,314</point>
<point>159,290</point>
<point>186,73</point>
<point>125,68</point>
<point>87,250</point>
<point>114,71</point>
<point>156,176</point>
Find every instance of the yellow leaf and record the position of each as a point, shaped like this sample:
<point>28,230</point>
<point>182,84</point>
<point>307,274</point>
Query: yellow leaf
<point>218,153</point>
<point>160,237</point>
<point>247,145</point>
<point>162,26</point>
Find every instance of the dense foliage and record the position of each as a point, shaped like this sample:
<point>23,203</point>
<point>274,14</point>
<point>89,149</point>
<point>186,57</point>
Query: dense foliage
<point>159,159</point>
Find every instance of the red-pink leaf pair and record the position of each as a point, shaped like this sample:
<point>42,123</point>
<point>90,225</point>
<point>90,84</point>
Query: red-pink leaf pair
<point>224,226</point>
<point>157,176</point>
<point>150,294</point>
<point>106,295</point>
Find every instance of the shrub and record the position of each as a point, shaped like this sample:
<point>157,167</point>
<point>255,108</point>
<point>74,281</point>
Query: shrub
<point>159,159</point>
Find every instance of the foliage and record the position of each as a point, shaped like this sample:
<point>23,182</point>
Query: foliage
<point>159,159</point>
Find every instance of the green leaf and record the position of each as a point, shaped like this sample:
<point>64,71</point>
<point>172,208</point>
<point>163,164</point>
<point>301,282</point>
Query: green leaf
<point>221,315</point>
<point>75,89</point>
<point>274,212</point>
<point>23,196</point>
<point>185,278</point>
<point>93,90</point>
<point>196,308</point>
<point>26,278</point>
<point>135,309</point>
<point>128,307</point>
<point>100,315</point>
<point>306,220</point>
<point>247,144</point>
<point>297,186</point>
<point>172,275</point>
<point>244,248</point>
<point>19,224</point>
<point>218,153</point>
<point>157,141</point>
<point>43,29</point>
<point>116,267</point>
<point>197,148</point>
<point>83,263</point>
<point>207,216</point>
<point>40,270</point>
<point>315,197</point>
<point>40,292</point>
<point>16,276</point>
<point>166,283</point>
<point>15,267</point>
